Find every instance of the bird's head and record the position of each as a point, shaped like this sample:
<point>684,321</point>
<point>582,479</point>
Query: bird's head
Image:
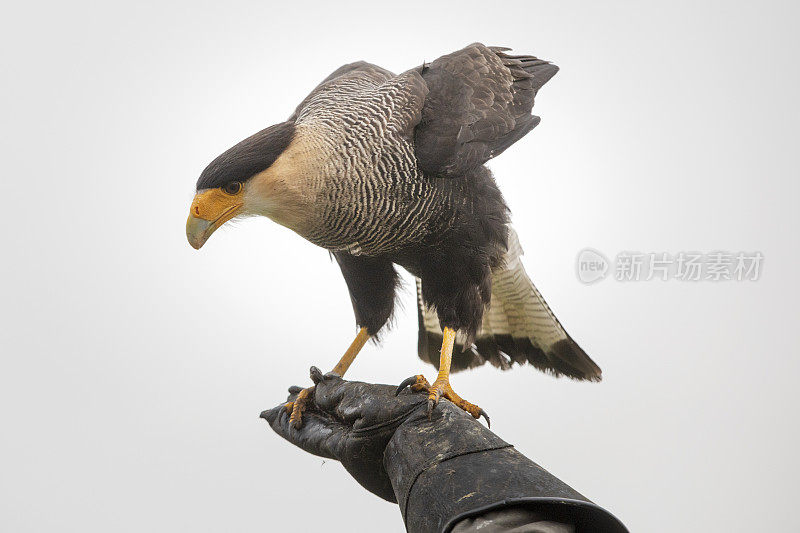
<point>242,181</point>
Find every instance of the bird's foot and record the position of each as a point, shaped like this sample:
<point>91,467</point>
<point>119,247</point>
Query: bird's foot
<point>441,389</point>
<point>296,407</point>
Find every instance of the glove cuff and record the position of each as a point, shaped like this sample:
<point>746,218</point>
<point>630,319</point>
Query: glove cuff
<point>452,467</point>
<point>419,445</point>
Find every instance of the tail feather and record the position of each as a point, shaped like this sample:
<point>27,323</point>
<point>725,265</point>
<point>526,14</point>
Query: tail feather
<point>518,327</point>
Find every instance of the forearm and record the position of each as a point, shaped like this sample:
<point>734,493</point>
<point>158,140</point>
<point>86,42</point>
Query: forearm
<point>516,519</point>
<point>447,472</point>
<point>451,472</point>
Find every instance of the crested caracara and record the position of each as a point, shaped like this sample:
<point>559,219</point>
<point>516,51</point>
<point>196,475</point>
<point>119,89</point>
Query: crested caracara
<point>385,170</point>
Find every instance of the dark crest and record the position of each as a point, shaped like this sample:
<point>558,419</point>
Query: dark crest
<point>247,158</point>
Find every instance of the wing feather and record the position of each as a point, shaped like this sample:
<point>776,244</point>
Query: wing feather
<point>518,327</point>
<point>479,103</point>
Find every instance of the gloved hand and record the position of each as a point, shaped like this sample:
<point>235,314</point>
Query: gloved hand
<point>442,470</point>
<point>351,422</point>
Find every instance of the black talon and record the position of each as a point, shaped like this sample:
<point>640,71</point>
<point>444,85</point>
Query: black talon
<point>316,375</point>
<point>486,416</point>
<point>431,405</point>
<point>294,389</point>
<point>405,383</point>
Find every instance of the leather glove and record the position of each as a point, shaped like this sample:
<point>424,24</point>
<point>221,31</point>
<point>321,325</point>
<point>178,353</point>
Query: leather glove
<point>351,422</point>
<point>440,470</point>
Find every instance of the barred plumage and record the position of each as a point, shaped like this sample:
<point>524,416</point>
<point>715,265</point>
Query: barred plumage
<point>386,170</point>
<point>518,327</point>
<point>373,199</point>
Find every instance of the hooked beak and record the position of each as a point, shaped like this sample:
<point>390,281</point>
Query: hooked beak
<point>210,209</point>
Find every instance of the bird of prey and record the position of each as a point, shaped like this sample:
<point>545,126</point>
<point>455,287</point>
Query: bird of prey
<point>384,170</point>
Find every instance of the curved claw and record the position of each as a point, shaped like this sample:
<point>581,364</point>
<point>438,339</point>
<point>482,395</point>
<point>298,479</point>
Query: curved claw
<point>485,415</point>
<point>405,383</point>
<point>294,389</point>
<point>431,404</point>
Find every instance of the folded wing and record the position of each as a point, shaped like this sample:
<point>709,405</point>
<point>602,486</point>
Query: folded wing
<point>479,103</point>
<point>518,327</point>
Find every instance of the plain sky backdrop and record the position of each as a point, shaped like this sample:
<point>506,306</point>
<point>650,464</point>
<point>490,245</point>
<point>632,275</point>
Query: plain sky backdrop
<point>134,368</point>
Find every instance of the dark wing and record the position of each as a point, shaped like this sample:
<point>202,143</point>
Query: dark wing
<point>479,103</point>
<point>359,68</point>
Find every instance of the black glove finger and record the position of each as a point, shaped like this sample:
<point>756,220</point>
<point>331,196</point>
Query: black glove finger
<point>364,405</point>
<point>291,397</point>
<point>316,375</point>
<point>353,402</point>
<point>272,416</point>
<point>318,435</point>
<point>329,391</point>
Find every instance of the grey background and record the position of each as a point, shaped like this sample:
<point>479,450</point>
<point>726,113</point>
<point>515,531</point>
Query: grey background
<point>134,368</point>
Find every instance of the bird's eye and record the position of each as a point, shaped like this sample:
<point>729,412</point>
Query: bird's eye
<point>232,188</point>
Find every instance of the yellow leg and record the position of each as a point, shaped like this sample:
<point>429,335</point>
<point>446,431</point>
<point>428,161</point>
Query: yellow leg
<point>441,387</point>
<point>446,355</point>
<point>297,407</point>
<point>351,353</point>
